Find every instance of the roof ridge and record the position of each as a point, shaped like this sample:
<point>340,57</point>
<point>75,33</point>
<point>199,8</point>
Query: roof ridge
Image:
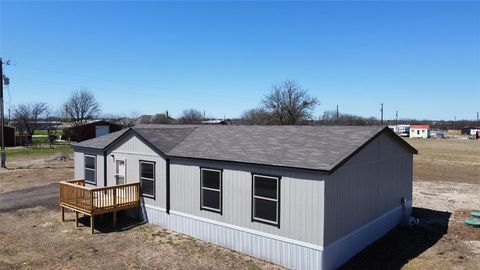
<point>193,129</point>
<point>365,140</point>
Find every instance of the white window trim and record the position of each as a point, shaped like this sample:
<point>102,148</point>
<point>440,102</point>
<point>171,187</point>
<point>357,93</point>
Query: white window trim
<point>277,200</point>
<point>90,169</point>
<point>146,178</point>
<point>220,191</point>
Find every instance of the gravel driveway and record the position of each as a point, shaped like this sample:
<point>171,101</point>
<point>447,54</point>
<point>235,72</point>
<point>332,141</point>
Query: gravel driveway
<point>45,196</point>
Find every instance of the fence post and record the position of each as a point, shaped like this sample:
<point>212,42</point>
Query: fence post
<point>75,191</point>
<point>91,201</point>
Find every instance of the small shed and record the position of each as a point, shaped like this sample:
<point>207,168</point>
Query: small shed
<point>90,130</point>
<point>9,135</point>
<point>470,130</point>
<point>420,131</point>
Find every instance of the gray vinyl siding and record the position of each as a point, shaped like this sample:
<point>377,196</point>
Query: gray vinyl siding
<point>133,150</point>
<point>367,186</point>
<point>301,197</point>
<point>79,166</point>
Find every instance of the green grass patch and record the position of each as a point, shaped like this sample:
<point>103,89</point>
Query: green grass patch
<point>31,151</point>
<point>44,132</point>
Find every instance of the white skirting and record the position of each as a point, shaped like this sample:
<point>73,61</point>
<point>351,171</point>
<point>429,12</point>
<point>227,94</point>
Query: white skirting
<point>283,251</point>
<point>343,249</point>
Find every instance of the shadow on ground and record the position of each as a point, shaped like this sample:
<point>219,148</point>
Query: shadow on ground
<point>104,223</point>
<point>403,243</point>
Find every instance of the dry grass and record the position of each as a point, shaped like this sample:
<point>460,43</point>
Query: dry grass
<point>39,240</point>
<point>33,171</point>
<point>451,160</point>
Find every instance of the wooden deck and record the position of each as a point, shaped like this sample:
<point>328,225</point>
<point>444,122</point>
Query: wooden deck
<point>96,201</point>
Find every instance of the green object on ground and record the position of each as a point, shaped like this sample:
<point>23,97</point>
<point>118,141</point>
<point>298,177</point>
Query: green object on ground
<point>475,214</point>
<point>472,222</point>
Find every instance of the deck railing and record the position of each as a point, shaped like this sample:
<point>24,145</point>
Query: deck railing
<point>93,201</point>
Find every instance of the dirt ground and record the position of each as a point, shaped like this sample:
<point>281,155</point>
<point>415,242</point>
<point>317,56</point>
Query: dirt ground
<point>32,236</point>
<point>40,240</point>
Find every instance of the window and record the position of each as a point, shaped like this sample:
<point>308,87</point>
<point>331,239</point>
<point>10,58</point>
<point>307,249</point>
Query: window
<point>90,169</point>
<point>266,199</point>
<point>147,178</point>
<point>418,132</point>
<point>211,190</point>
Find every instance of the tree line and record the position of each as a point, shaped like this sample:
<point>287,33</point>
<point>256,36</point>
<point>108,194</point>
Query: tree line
<point>77,110</point>
<point>287,103</point>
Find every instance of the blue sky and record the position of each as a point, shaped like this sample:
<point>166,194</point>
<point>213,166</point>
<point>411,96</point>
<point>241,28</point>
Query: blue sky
<point>420,58</point>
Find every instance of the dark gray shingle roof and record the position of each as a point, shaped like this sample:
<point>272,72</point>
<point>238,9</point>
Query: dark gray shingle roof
<point>165,138</point>
<point>101,142</point>
<point>309,147</point>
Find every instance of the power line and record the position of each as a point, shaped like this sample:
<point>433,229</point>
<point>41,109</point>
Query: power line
<point>185,97</point>
<point>90,77</point>
<point>117,91</point>
<point>123,83</point>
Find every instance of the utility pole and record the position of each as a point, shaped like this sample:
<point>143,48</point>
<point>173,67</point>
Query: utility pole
<point>396,121</point>
<point>337,115</point>
<point>381,113</point>
<point>478,123</point>
<point>2,118</point>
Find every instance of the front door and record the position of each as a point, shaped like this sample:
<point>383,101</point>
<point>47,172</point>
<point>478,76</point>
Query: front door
<point>120,171</point>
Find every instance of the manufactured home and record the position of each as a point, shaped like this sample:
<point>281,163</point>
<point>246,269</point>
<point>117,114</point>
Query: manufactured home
<point>304,197</point>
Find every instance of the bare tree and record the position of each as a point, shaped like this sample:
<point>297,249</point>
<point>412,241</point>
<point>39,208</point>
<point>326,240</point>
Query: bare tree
<point>289,103</point>
<point>258,116</point>
<point>130,120</point>
<point>160,118</point>
<point>330,118</point>
<point>27,115</point>
<point>80,108</point>
<point>191,116</point>
<point>52,121</point>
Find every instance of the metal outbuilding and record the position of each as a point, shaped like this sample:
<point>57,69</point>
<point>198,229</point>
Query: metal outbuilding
<point>90,130</point>
<point>304,197</point>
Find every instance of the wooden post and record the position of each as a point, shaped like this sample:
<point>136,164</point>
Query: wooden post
<point>114,206</point>
<point>76,219</point>
<point>92,223</point>
<point>63,213</point>
<point>75,199</point>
